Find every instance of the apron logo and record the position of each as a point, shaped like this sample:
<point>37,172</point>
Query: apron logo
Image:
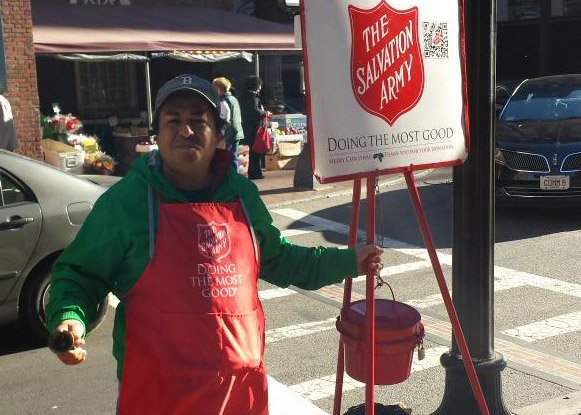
<point>214,241</point>
<point>387,69</point>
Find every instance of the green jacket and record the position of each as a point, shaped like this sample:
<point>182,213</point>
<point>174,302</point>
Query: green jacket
<point>111,250</point>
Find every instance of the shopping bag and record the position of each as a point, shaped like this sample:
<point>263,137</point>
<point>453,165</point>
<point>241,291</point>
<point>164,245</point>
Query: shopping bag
<point>263,141</point>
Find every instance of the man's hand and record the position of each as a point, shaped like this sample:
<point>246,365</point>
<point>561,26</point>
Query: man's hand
<point>78,354</point>
<point>368,258</point>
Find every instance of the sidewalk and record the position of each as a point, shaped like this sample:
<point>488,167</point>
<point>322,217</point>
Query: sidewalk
<point>277,190</point>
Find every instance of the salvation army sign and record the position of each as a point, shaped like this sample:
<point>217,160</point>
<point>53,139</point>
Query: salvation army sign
<point>387,71</point>
<point>385,85</point>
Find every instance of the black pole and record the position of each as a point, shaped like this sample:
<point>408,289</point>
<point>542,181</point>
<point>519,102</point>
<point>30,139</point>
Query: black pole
<point>473,247</point>
<point>545,37</point>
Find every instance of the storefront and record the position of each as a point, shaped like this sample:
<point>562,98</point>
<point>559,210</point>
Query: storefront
<point>104,64</point>
<point>537,37</point>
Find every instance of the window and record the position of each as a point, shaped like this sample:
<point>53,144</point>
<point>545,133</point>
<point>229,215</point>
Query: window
<point>105,86</point>
<point>551,101</point>
<point>572,8</point>
<point>11,192</point>
<point>524,9</point>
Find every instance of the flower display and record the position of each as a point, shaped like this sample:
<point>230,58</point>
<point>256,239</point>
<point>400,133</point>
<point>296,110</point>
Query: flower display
<point>60,124</point>
<point>99,163</point>
<point>86,143</point>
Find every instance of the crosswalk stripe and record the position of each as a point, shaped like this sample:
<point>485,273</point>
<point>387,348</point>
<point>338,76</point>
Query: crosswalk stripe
<point>398,269</point>
<point>555,326</point>
<point>515,278</point>
<point>295,232</point>
<point>299,330</point>
<point>324,387</point>
<point>283,401</point>
<point>271,293</point>
<point>267,294</point>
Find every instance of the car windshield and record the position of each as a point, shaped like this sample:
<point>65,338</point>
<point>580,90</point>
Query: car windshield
<point>551,101</point>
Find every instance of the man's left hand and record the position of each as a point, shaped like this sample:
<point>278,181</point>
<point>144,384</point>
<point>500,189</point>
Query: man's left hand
<point>368,258</point>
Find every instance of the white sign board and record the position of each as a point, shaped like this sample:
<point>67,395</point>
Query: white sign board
<point>386,87</point>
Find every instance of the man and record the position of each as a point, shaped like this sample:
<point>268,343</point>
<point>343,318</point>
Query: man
<point>230,112</point>
<point>8,140</point>
<point>182,241</point>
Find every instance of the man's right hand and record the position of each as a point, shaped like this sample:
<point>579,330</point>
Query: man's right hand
<point>78,354</point>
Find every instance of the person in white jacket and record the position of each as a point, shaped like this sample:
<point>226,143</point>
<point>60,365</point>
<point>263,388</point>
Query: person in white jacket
<point>8,140</point>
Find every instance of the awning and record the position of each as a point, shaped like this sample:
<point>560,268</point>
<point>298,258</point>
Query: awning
<point>81,29</point>
<point>204,56</point>
<point>182,55</point>
<point>83,57</point>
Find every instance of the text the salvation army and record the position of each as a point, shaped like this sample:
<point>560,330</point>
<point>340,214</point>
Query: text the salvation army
<point>383,62</point>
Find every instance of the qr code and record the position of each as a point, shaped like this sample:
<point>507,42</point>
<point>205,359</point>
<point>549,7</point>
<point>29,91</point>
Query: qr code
<point>435,40</point>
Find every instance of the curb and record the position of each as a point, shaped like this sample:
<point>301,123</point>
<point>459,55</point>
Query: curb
<point>381,184</point>
<point>569,404</point>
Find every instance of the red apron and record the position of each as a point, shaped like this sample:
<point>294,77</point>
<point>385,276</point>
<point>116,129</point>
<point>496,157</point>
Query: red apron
<point>195,325</point>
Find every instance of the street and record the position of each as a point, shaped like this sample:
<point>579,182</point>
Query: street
<point>537,312</point>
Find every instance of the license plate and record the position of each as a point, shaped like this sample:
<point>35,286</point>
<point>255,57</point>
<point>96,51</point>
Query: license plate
<point>555,182</point>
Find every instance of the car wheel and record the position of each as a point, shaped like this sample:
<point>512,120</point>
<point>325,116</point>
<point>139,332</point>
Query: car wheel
<point>35,298</point>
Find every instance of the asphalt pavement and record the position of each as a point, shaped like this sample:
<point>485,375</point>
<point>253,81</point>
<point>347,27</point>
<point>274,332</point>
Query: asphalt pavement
<point>542,377</point>
<point>277,191</point>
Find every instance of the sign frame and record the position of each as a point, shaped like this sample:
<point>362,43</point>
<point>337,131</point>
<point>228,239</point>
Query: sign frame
<point>411,167</point>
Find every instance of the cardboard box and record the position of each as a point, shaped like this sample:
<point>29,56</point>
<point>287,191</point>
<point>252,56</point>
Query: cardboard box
<point>278,162</point>
<point>290,120</point>
<point>290,148</point>
<point>63,156</point>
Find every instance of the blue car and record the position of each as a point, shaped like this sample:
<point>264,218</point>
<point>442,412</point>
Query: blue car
<point>538,141</point>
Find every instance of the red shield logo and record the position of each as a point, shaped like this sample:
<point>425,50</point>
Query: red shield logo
<point>214,241</point>
<point>387,70</point>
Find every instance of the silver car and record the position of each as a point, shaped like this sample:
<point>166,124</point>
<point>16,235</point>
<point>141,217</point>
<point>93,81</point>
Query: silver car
<point>41,210</point>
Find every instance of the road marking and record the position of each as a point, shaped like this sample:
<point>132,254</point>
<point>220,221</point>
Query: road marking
<point>275,293</point>
<point>298,330</point>
<point>267,294</point>
<point>506,277</point>
<point>295,232</point>
<point>555,326</point>
<point>398,269</point>
<point>513,352</point>
<point>324,387</point>
<point>284,401</point>
<point>426,302</point>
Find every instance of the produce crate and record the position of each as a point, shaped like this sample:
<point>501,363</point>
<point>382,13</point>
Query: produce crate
<point>278,162</point>
<point>290,148</point>
<point>290,137</point>
<point>63,156</point>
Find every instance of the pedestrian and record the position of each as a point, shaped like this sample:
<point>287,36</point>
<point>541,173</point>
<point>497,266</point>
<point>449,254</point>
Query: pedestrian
<point>252,114</point>
<point>181,241</point>
<point>230,112</point>
<point>8,139</point>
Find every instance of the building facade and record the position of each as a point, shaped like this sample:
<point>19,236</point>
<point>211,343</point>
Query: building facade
<point>21,74</point>
<point>535,37</point>
<point>538,37</point>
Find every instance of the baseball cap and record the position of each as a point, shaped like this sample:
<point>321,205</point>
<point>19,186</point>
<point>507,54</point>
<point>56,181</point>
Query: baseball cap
<point>187,82</point>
